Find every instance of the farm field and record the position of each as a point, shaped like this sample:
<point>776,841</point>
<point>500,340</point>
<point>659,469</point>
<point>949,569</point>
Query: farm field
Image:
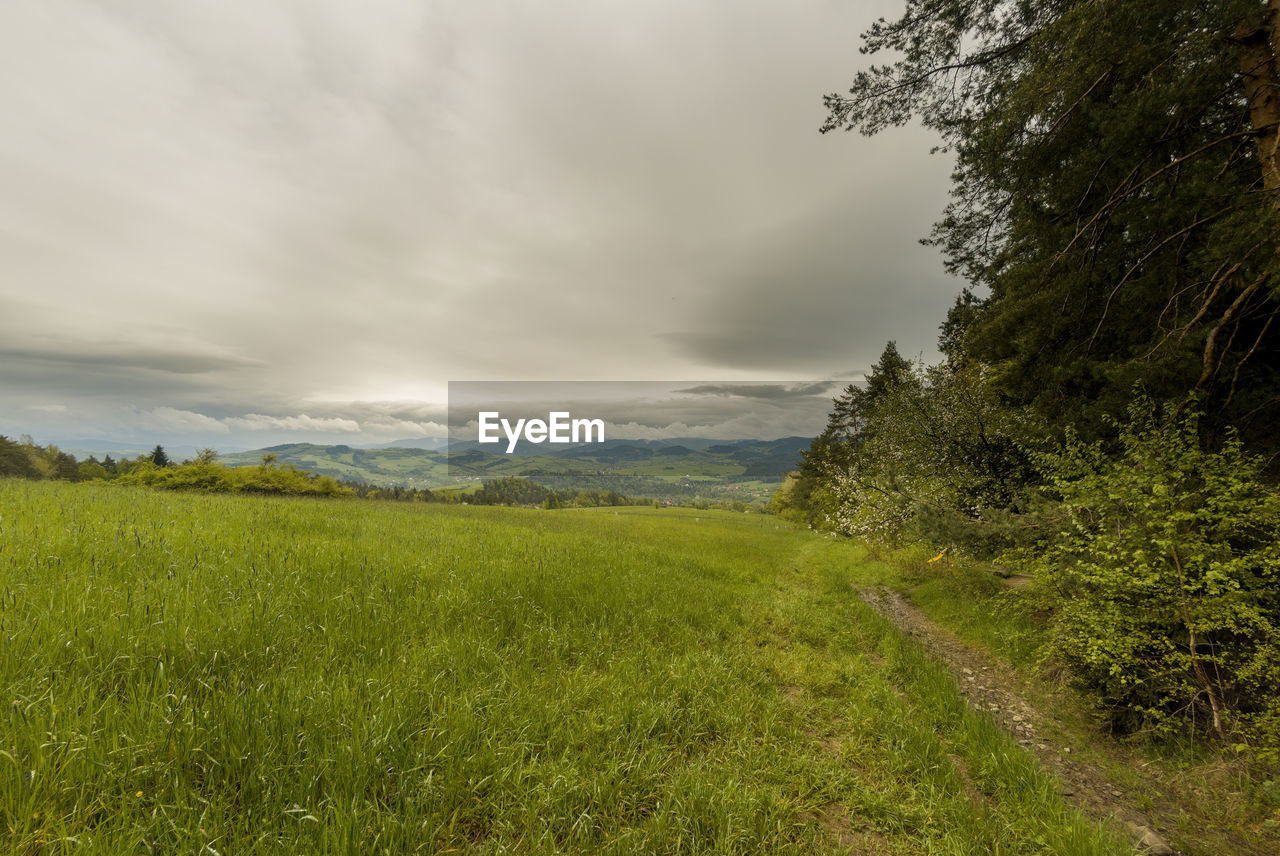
<point>228,675</point>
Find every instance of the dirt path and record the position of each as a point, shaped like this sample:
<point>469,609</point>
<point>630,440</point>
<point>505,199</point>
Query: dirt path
<point>986,683</point>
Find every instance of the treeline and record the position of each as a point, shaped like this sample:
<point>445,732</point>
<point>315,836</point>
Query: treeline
<point>525,492</point>
<point>521,491</point>
<point>621,483</point>
<point>512,491</point>
<point>702,493</point>
<point>25,459</point>
<point>1106,414</point>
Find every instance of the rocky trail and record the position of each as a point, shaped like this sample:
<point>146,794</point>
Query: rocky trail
<point>989,685</point>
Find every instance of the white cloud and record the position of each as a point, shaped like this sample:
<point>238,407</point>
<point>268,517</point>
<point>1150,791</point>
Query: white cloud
<point>404,428</point>
<point>172,419</point>
<point>301,422</point>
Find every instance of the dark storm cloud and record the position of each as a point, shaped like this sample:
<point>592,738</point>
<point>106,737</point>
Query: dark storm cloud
<point>772,391</point>
<point>827,288</point>
<point>266,221</point>
<point>108,356</point>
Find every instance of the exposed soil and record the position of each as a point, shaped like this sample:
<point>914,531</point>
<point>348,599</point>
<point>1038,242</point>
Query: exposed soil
<point>835,821</point>
<point>988,685</point>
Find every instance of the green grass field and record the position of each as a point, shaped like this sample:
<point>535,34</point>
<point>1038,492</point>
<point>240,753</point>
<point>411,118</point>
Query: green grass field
<point>230,675</point>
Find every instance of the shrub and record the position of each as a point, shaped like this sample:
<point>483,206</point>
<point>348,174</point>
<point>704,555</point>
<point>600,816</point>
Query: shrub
<point>939,458</point>
<point>214,477</point>
<point>1165,573</point>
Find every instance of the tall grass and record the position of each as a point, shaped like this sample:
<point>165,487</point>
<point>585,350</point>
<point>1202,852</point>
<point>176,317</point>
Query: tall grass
<point>222,674</point>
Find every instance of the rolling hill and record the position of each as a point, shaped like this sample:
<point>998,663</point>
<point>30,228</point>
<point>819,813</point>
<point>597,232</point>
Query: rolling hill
<point>680,468</point>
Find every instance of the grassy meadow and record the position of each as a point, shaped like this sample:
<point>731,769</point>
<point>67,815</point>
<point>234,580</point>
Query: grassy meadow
<point>231,675</point>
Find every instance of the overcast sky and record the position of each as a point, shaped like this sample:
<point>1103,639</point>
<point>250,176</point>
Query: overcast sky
<point>649,410</point>
<point>238,222</point>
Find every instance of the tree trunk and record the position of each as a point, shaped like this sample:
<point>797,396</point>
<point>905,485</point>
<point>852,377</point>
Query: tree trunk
<point>1215,704</point>
<point>1197,669</point>
<point>1259,40</point>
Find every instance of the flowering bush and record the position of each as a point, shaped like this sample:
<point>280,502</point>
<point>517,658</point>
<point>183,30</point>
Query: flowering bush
<point>939,459</point>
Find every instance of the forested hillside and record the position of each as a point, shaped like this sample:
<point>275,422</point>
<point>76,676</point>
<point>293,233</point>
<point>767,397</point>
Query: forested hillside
<point>1106,415</point>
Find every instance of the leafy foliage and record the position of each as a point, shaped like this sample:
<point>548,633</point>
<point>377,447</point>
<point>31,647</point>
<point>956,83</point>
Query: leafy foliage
<point>921,452</point>
<point>1115,212</point>
<point>809,495</point>
<point>213,477</point>
<point>520,491</point>
<point>15,460</point>
<point>1114,195</point>
<point>1165,573</point>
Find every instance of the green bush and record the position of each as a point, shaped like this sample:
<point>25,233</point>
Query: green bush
<point>16,460</point>
<point>1164,575</point>
<point>214,477</point>
<point>939,458</point>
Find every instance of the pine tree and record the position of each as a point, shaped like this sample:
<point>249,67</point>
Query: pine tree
<point>1116,190</point>
<point>849,417</point>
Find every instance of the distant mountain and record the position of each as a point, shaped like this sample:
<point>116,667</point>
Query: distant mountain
<point>432,443</point>
<point>695,444</point>
<point>680,467</point>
